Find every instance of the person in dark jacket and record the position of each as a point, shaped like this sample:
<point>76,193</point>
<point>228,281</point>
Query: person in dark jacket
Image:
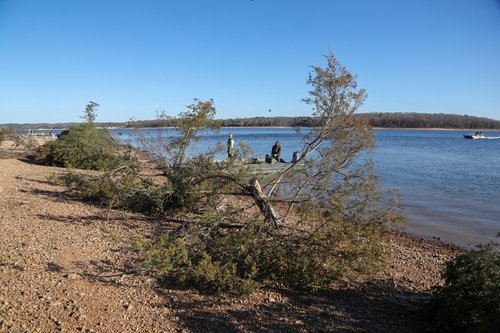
<point>276,151</point>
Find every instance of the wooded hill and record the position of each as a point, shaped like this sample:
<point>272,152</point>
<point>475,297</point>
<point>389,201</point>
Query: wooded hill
<point>383,120</point>
<point>426,120</point>
<point>379,119</point>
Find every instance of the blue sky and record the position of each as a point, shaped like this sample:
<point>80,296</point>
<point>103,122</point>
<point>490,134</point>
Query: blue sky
<point>138,57</point>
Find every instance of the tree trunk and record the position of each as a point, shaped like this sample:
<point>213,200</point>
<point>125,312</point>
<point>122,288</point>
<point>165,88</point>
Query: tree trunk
<point>262,201</point>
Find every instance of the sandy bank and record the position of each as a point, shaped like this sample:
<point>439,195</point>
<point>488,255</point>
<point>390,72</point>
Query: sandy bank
<point>65,266</point>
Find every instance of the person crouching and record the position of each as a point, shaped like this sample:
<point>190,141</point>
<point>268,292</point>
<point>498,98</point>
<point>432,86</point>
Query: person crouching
<point>276,151</point>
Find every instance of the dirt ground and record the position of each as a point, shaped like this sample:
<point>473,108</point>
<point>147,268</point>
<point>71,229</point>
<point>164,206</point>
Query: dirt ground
<point>65,266</point>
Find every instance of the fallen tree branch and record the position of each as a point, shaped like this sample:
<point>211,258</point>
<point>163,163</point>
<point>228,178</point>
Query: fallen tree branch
<point>263,202</point>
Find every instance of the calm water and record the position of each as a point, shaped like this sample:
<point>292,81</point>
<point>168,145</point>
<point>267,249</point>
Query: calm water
<point>449,186</point>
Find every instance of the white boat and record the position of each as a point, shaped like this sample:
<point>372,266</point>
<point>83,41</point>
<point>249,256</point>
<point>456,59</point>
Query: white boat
<point>262,166</point>
<point>477,135</point>
<point>42,133</point>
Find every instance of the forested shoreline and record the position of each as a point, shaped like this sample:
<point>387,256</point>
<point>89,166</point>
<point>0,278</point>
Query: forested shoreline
<point>378,119</point>
<point>424,120</point>
<point>382,120</point>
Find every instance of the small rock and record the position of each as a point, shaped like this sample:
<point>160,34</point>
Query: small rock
<point>150,281</point>
<point>271,299</point>
<point>73,276</point>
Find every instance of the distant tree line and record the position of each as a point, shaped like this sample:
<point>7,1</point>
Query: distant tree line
<point>376,119</point>
<point>383,120</point>
<point>236,122</point>
<point>425,120</point>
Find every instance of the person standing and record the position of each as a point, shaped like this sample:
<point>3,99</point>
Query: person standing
<point>276,151</point>
<point>230,146</point>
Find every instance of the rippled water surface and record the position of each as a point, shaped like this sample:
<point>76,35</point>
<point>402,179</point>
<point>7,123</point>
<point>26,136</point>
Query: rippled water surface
<point>449,186</point>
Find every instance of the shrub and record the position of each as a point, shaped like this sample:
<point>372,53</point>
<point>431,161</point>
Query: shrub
<point>121,188</point>
<point>469,301</point>
<point>173,257</point>
<point>239,261</point>
<point>84,146</point>
<point>6,133</point>
<point>211,276</point>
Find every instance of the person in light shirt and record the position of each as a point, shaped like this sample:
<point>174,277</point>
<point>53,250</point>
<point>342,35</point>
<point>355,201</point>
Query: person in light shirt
<point>230,145</point>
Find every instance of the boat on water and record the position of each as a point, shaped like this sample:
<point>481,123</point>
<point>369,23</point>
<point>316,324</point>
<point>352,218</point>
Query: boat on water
<point>477,135</point>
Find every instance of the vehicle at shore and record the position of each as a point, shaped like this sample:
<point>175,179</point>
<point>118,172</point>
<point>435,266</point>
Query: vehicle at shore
<point>265,166</point>
<point>42,133</point>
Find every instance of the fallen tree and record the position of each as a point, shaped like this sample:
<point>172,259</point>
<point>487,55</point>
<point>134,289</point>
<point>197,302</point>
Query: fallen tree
<point>315,221</point>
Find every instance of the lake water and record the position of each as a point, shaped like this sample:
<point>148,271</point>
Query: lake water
<point>449,186</point>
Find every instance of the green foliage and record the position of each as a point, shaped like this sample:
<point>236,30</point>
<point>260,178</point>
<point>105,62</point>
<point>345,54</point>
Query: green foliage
<point>182,172</point>
<point>173,257</point>
<point>90,112</point>
<point>200,115</point>
<point>166,255</point>
<point>470,299</point>
<point>238,262</point>
<point>304,227</point>
<point>121,188</point>
<point>211,276</point>
<point>84,146</point>
<point>6,133</point>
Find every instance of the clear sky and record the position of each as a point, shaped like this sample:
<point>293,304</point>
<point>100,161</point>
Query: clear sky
<point>137,57</point>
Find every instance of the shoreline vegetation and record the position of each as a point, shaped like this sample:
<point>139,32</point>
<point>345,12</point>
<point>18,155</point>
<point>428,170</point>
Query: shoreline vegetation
<point>97,236</point>
<point>70,264</point>
<point>67,262</point>
<point>376,120</point>
<point>67,265</point>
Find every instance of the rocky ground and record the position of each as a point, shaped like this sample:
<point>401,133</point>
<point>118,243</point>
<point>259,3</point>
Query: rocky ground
<point>65,267</point>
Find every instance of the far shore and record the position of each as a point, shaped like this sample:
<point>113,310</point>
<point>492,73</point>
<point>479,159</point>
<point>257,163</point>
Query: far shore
<point>437,129</point>
<point>48,128</point>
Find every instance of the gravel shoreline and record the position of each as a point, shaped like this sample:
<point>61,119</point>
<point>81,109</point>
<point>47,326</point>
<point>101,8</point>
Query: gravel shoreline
<point>65,267</point>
